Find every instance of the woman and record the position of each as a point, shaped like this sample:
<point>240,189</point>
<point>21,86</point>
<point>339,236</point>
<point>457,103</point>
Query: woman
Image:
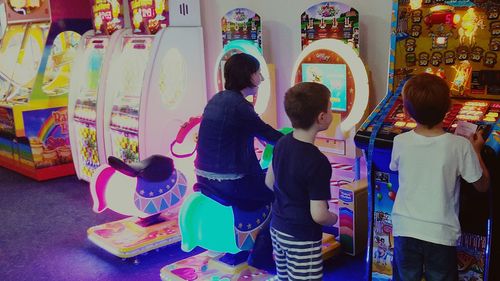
<point>226,165</point>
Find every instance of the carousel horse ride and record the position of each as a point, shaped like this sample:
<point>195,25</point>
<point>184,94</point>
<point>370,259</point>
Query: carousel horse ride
<point>228,233</point>
<point>148,192</point>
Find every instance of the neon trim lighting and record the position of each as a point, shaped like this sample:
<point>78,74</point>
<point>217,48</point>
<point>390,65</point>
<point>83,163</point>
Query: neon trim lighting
<point>249,48</point>
<point>358,71</point>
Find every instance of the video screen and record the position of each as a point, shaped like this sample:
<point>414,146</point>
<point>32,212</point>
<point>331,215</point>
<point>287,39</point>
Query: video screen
<point>333,76</point>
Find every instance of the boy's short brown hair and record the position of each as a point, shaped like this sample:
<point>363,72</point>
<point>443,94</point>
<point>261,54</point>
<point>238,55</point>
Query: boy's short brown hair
<point>304,102</point>
<point>427,99</point>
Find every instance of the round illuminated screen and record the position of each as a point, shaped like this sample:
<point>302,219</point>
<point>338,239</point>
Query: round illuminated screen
<point>328,68</point>
<point>332,59</point>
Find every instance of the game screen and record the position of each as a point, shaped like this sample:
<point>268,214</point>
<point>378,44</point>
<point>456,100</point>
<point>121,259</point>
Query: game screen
<point>333,76</point>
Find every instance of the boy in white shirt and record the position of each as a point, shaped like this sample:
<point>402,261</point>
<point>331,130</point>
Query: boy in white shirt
<point>430,163</point>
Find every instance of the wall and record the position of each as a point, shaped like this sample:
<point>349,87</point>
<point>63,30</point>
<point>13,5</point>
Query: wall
<point>281,38</point>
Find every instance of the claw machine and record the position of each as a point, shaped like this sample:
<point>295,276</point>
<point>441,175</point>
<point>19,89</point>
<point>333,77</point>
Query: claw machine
<point>87,90</point>
<point>36,54</point>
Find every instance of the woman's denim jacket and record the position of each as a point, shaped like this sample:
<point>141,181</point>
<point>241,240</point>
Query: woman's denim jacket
<point>226,136</point>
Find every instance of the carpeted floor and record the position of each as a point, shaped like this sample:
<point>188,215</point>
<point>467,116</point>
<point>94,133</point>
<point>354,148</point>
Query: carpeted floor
<point>43,237</point>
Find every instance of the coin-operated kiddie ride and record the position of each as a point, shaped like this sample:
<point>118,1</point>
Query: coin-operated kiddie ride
<point>87,89</point>
<point>144,190</point>
<point>227,231</point>
<point>147,95</point>
<point>459,42</point>
<point>214,224</point>
<point>330,56</point>
<point>36,53</point>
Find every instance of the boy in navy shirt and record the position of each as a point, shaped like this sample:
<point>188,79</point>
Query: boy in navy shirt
<point>300,176</point>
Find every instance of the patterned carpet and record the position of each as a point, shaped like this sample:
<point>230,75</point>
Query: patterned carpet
<point>43,237</point>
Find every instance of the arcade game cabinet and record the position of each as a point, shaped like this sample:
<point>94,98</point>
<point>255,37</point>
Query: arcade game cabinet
<point>457,40</point>
<point>86,98</point>
<point>330,55</point>
<point>36,54</point>
<point>148,94</point>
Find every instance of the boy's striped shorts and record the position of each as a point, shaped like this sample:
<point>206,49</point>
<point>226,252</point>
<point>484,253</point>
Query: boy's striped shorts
<point>296,259</point>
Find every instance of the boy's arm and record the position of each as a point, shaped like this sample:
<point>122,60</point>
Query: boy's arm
<point>320,213</point>
<point>270,177</point>
<point>394,164</point>
<point>483,183</point>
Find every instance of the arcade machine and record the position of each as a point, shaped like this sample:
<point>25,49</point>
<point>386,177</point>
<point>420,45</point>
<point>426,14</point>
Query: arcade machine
<point>200,226</point>
<point>86,99</point>
<point>242,33</point>
<point>330,55</point>
<point>457,40</point>
<point>124,84</point>
<point>36,54</point>
<point>149,93</point>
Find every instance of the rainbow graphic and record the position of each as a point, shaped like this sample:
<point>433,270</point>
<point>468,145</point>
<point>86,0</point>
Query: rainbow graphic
<point>56,120</point>
<point>46,130</point>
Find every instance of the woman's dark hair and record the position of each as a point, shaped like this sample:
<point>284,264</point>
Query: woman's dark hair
<point>238,71</point>
<point>427,99</point>
<point>304,102</point>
